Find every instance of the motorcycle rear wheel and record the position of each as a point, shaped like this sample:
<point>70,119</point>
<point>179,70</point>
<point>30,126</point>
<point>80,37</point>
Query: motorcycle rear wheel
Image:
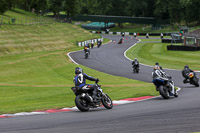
<point>195,82</point>
<point>107,102</point>
<point>81,104</point>
<point>137,71</point>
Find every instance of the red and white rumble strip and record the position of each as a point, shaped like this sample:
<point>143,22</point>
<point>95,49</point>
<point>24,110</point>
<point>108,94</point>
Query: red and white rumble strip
<point>123,101</point>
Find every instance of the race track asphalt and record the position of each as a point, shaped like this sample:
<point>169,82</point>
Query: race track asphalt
<point>157,115</point>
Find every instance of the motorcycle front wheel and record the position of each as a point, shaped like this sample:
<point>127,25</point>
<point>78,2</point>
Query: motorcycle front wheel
<point>81,104</point>
<point>106,101</point>
<point>86,56</point>
<point>163,92</point>
<point>195,82</point>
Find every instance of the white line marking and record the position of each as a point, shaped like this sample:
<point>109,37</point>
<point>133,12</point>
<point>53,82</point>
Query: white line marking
<point>122,102</point>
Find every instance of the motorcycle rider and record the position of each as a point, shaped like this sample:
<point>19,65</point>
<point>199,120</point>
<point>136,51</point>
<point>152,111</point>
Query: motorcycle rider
<point>135,63</point>
<point>159,74</point>
<point>99,43</point>
<point>87,48</point>
<point>185,73</point>
<point>80,82</point>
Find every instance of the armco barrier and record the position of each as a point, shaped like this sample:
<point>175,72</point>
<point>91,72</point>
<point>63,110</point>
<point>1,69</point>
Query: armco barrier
<point>81,44</point>
<point>183,48</point>
<point>168,40</point>
<point>132,33</point>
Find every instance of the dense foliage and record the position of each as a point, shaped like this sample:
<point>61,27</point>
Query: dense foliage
<point>176,11</point>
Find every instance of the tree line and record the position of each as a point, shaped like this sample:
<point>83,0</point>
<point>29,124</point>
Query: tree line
<point>176,11</point>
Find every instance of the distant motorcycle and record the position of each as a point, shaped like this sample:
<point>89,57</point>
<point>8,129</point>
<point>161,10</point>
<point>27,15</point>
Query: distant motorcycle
<point>123,34</point>
<point>87,53</point>
<point>192,79</point>
<point>92,45</point>
<point>120,41</point>
<point>136,68</point>
<point>84,102</point>
<point>164,87</point>
<point>99,43</point>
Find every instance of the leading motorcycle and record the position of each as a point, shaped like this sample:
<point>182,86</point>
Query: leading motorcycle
<point>164,87</point>
<point>84,100</point>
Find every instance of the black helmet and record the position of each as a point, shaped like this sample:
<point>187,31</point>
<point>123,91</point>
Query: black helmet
<point>78,70</point>
<point>156,63</point>
<point>186,66</point>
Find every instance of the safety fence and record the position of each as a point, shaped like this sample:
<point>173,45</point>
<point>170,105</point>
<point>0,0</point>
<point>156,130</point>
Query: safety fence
<point>83,43</point>
<point>132,33</point>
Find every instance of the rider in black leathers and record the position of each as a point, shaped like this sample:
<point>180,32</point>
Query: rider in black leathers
<point>80,82</point>
<point>185,73</point>
<point>135,63</point>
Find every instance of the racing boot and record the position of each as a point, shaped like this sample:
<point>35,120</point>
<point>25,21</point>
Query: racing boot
<point>175,94</point>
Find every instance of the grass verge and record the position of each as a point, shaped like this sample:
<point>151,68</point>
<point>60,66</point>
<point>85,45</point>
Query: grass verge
<point>43,80</point>
<point>149,53</point>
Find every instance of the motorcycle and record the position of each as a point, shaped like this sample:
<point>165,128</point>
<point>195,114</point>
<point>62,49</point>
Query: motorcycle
<point>120,41</point>
<point>99,43</point>
<point>192,79</point>
<point>84,100</point>
<point>123,34</point>
<point>87,53</point>
<point>136,68</point>
<point>92,45</point>
<point>164,87</point>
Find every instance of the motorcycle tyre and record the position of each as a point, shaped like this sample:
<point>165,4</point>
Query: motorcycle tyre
<point>163,92</point>
<point>137,71</point>
<point>195,82</point>
<point>86,56</point>
<point>105,104</point>
<point>80,106</point>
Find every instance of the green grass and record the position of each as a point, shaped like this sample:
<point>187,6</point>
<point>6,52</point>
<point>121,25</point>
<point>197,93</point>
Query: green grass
<point>149,53</point>
<point>36,74</point>
<point>16,39</point>
<point>39,81</point>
